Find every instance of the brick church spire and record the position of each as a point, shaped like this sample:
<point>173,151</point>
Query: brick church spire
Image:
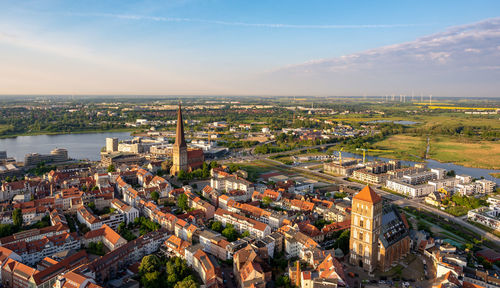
<point>179,150</point>
<point>179,134</point>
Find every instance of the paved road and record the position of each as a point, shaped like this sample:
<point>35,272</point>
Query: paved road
<point>253,157</point>
<point>399,200</point>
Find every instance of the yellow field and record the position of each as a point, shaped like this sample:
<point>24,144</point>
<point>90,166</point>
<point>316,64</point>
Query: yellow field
<point>462,108</point>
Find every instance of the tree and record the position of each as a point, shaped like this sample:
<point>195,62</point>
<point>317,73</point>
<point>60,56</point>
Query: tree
<point>283,281</point>
<point>217,226</point>
<point>182,202</point>
<point>343,241</point>
<point>182,175</point>
<point>151,280</point>
<point>245,234</point>
<point>17,217</point>
<point>206,170</point>
<point>149,263</point>
<point>230,233</point>
<point>267,200</point>
<point>190,283</point>
<point>214,164</point>
<point>111,168</point>
<point>92,206</point>
<point>155,196</point>
<point>165,165</point>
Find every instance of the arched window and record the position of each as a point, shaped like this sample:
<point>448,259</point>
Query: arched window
<point>367,224</point>
<point>360,248</point>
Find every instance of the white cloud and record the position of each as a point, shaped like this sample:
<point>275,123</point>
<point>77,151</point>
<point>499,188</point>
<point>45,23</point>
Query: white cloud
<point>245,24</point>
<point>444,61</point>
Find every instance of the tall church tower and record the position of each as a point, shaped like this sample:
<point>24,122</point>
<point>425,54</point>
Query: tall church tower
<point>179,150</point>
<point>366,220</point>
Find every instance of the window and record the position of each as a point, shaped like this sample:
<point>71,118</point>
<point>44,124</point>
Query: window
<point>360,246</point>
<point>361,223</point>
<point>361,236</point>
<point>367,224</point>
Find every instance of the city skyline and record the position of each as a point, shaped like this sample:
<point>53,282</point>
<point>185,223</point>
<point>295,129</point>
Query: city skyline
<point>237,48</point>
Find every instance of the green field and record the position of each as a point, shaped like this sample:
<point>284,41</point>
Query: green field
<point>462,151</point>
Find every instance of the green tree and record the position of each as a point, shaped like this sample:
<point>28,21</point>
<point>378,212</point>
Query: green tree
<point>182,202</point>
<point>230,233</point>
<point>206,170</point>
<point>267,200</point>
<point>149,263</point>
<point>217,226</point>
<point>343,241</point>
<point>151,280</point>
<point>111,168</point>
<point>92,206</point>
<point>190,283</point>
<point>155,196</point>
<point>17,217</point>
<point>214,164</point>
<point>245,234</point>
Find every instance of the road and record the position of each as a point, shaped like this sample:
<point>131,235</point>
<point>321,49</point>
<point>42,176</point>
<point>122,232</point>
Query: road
<point>397,200</point>
<point>253,157</point>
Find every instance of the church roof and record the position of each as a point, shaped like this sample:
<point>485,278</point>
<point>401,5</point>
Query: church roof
<point>394,227</point>
<point>367,194</point>
<point>179,133</point>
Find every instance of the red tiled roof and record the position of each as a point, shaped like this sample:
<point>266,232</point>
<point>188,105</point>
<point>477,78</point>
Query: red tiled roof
<point>367,194</point>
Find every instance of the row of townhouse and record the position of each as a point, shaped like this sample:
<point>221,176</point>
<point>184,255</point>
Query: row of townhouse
<point>105,235</point>
<point>267,193</point>
<point>34,234</point>
<point>107,267</point>
<point>32,252</point>
<point>242,223</point>
<point>130,212</point>
<point>10,189</point>
<point>85,216</point>
<point>272,218</point>
<point>223,181</point>
<point>205,265</point>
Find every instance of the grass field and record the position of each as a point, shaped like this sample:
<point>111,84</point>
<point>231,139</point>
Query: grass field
<point>477,154</point>
<point>496,175</point>
<point>481,154</point>
<point>405,147</point>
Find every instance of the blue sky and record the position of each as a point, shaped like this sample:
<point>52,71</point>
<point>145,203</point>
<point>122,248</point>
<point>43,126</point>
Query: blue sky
<point>245,47</point>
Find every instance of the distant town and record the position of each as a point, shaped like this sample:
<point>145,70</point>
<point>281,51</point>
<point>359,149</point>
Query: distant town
<point>253,193</point>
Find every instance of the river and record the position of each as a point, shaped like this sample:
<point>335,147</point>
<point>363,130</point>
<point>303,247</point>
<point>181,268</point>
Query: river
<point>79,146</point>
<point>88,146</point>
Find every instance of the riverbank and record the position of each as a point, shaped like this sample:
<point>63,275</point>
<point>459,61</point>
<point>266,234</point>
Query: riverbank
<point>116,130</point>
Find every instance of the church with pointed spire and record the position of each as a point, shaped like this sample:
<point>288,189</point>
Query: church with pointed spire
<point>184,158</point>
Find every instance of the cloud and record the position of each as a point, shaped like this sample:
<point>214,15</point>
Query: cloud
<point>244,24</point>
<point>447,62</point>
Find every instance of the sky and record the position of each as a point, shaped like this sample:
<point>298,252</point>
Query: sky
<point>190,47</point>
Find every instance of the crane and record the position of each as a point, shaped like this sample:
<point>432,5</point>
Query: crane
<point>340,155</point>
<point>371,150</point>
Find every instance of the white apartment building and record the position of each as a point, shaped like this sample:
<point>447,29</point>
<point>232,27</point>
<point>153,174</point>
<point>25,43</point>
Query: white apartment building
<point>242,223</point>
<point>409,190</point>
